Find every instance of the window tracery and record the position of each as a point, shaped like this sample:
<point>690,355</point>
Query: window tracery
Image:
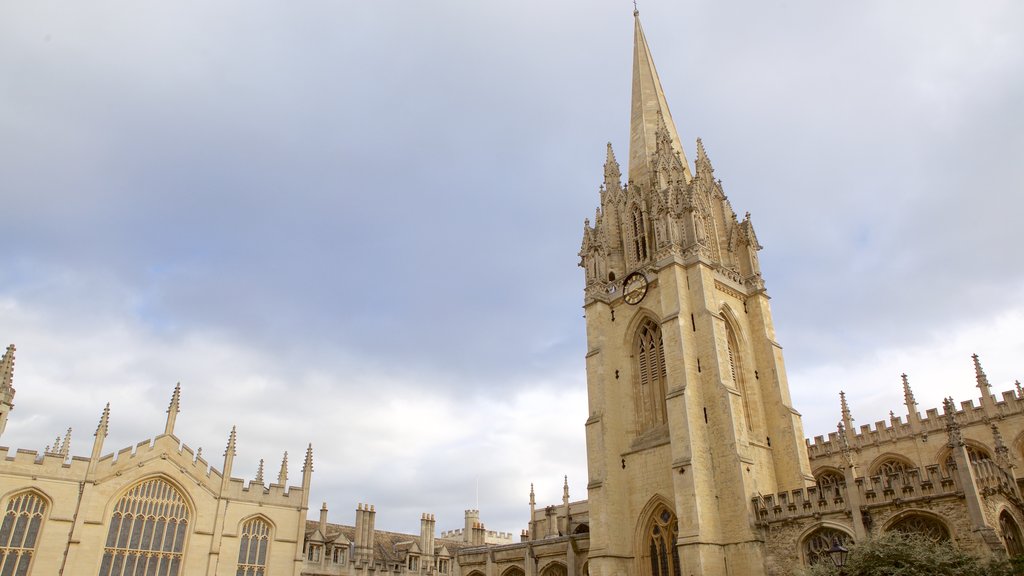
<point>817,543</point>
<point>1011,534</point>
<point>662,554</point>
<point>19,532</point>
<point>649,394</point>
<point>252,550</point>
<point>974,454</point>
<point>923,526</point>
<point>147,531</point>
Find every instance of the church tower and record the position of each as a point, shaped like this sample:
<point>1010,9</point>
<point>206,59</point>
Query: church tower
<point>690,412</point>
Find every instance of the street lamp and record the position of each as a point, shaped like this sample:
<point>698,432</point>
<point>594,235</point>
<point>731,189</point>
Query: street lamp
<point>838,554</point>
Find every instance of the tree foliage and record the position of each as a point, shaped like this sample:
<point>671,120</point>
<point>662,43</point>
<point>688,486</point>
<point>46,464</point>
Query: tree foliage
<point>898,554</point>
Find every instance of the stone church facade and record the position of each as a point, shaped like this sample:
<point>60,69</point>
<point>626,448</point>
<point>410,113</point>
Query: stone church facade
<point>697,460</point>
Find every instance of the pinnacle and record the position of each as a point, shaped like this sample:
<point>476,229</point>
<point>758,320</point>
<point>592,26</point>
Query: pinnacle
<point>175,399</point>
<point>7,368</point>
<point>101,429</point>
<point>282,476</point>
<point>979,374</point>
<point>232,438</point>
<point>307,466</point>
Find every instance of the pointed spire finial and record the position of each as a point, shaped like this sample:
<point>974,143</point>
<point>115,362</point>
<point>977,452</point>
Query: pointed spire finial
<point>845,408</point>
<point>232,439</point>
<point>908,394</point>
<point>7,368</point>
<point>104,425</point>
<point>259,473</point>
<point>307,466</point>
<point>1002,452</point>
<point>172,409</point>
<point>844,444</point>
<point>612,172</point>
<point>282,476</point>
<point>980,376</point>
<point>565,487</point>
<point>952,426</point>
<point>66,446</point>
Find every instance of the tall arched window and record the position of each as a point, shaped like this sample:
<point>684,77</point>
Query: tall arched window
<point>252,549</point>
<point>147,531</point>
<point>1011,534</point>
<point>19,532</point>
<point>649,394</point>
<point>736,371</point>
<point>662,556</point>
<point>639,235</point>
<point>974,454</point>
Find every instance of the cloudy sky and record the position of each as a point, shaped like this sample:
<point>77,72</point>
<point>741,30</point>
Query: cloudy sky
<point>356,224</point>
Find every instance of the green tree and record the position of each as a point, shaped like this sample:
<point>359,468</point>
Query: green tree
<point>898,554</point>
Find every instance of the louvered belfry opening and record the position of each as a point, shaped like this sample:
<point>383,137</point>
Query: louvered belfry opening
<point>650,382</point>
<point>147,531</point>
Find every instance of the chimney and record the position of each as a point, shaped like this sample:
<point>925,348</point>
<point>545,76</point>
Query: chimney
<point>323,519</point>
<point>427,538</point>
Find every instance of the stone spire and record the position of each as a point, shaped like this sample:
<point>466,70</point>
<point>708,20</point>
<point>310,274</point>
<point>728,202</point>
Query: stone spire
<point>101,434</point>
<point>282,476</point>
<point>533,510</point>
<point>847,418</point>
<point>952,426</point>
<point>648,104</point>
<point>987,402</point>
<point>173,409</point>
<point>65,447</point>
<point>6,386</point>
<point>259,474</point>
<point>913,417</point>
<point>612,173</point>
<point>307,475</point>
<point>229,458</point>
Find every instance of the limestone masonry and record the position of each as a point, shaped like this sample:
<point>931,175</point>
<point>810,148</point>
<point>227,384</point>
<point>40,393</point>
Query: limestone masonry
<point>697,459</point>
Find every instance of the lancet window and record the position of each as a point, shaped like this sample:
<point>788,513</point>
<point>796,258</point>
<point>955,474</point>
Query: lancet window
<point>736,372</point>
<point>147,531</point>
<point>974,454</point>
<point>663,556</point>
<point>19,532</point>
<point>252,551</point>
<point>649,392</point>
<point>1011,534</point>
<point>639,235</point>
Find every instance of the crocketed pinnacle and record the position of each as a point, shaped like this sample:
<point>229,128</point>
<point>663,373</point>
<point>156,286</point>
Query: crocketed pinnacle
<point>307,466</point>
<point>232,439</point>
<point>259,473</point>
<point>282,476</point>
<point>104,425</point>
<point>7,369</point>
<point>908,394</point>
<point>980,376</point>
<point>649,109</point>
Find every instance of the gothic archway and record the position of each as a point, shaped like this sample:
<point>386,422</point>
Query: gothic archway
<point>1011,534</point>
<point>921,524</point>
<point>656,550</point>
<point>815,545</point>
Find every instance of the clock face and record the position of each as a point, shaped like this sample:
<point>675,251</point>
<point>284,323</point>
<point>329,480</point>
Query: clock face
<point>634,288</point>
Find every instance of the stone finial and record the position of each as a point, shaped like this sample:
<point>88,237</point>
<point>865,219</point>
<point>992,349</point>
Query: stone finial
<point>908,394</point>
<point>259,473</point>
<point>980,376</point>
<point>308,464</point>
<point>845,409</point>
<point>104,425</point>
<point>565,487</point>
<point>65,447</point>
<point>952,427</point>
<point>232,440</point>
<point>612,172</point>
<point>1020,391</point>
<point>532,498</point>
<point>703,161</point>
<point>1002,452</point>
<point>172,409</point>
<point>7,369</point>
<point>282,476</point>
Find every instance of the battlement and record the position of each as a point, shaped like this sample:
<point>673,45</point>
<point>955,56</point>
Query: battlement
<point>46,464</point>
<point>900,427</point>
<point>880,490</point>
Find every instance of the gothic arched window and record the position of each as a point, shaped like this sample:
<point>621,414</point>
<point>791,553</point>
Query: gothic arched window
<point>974,454</point>
<point>639,235</point>
<point>649,394</point>
<point>19,532</point>
<point>1011,534</point>
<point>252,549</point>
<point>817,543</point>
<point>663,556</point>
<point>147,531</point>
<point>828,481</point>
<point>736,372</point>
<point>923,526</point>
